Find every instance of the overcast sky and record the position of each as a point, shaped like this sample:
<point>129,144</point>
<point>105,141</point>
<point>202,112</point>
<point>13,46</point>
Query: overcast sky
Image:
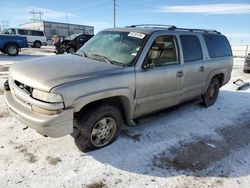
<point>230,17</point>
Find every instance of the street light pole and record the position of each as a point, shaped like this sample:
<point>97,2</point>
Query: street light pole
<point>114,13</point>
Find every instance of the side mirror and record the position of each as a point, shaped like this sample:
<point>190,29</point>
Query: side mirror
<point>148,65</point>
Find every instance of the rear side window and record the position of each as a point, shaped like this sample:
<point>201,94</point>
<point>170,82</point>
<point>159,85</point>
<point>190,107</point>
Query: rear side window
<point>217,45</point>
<point>21,32</point>
<point>191,48</point>
<point>37,33</point>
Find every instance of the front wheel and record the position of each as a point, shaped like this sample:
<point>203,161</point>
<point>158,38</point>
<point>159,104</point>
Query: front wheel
<point>70,50</point>
<point>212,93</point>
<point>99,127</point>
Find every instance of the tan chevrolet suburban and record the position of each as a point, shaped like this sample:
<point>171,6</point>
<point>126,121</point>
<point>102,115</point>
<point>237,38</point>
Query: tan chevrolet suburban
<point>118,76</point>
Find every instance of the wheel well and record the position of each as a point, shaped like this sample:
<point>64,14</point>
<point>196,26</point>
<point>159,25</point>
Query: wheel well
<point>9,44</point>
<point>220,78</point>
<point>121,102</point>
<point>38,41</point>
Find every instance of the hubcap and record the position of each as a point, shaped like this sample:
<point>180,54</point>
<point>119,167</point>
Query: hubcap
<point>103,132</point>
<point>71,50</point>
<point>12,50</point>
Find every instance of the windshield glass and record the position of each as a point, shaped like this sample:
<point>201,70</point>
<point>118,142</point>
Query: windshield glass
<point>114,47</point>
<point>72,37</point>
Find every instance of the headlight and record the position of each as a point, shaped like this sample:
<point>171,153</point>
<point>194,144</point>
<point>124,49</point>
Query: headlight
<point>47,97</point>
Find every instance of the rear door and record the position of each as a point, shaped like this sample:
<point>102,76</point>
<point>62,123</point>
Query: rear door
<point>195,70</point>
<point>159,87</point>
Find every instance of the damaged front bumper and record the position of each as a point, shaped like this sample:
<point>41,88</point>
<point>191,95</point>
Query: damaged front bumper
<point>56,125</point>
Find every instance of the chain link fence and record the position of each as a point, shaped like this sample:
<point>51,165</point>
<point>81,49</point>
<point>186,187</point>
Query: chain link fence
<point>240,50</point>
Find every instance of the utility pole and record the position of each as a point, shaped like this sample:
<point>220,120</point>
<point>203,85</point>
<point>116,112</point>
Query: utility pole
<point>114,13</point>
<point>4,24</point>
<point>37,15</point>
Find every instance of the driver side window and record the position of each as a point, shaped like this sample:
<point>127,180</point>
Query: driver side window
<point>163,51</point>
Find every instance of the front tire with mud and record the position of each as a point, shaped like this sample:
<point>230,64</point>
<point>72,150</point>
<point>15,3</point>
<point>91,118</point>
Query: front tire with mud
<point>212,92</point>
<point>98,127</point>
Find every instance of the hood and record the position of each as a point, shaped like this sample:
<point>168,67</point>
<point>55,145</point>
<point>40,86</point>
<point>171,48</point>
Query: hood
<point>48,72</point>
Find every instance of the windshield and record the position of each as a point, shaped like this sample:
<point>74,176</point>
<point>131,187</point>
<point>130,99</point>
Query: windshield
<point>114,47</point>
<point>73,36</point>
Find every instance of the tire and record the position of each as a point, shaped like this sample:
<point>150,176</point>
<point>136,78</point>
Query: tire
<point>11,50</point>
<point>70,50</point>
<point>212,92</point>
<point>37,44</point>
<point>246,71</point>
<point>92,124</point>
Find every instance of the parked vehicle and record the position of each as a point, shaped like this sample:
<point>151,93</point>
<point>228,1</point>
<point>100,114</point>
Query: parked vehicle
<point>11,45</point>
<point>35,38</point>
<point>247,64</point>
<point>119,75</point>
<point>72,43</point>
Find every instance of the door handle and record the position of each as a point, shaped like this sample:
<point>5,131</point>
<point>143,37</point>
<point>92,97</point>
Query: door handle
<point>179,74</point>
<point>202,68</point>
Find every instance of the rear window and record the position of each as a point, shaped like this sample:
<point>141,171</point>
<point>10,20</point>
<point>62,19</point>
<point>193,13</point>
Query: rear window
<point>191,48</point>
<point>37,33</point>
<point>217,45</point>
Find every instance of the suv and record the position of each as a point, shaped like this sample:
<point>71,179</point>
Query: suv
<point>247,64</point>
<point>72,43</point>
<point>35,38</point>
<point>118,76</point>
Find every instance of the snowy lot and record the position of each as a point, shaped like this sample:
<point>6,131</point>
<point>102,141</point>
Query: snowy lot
<point>190,146</point>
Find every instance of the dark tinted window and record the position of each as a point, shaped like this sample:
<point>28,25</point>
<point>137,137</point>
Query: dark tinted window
<point>21,32</point>
<point>217,45</point>
<point>191,48</point>
<point>37,33</point>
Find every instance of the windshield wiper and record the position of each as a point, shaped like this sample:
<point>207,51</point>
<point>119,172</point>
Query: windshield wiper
<point>106,59</point>
<point>82,53</point>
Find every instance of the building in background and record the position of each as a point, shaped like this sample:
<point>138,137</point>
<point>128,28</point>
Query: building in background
<point>60,29</point>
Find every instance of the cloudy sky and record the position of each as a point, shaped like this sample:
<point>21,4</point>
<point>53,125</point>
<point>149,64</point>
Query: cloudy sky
<point>230,17</point>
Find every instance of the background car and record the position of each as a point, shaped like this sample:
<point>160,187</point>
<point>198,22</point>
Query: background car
<point>247,64</point>
<point>11,45</point>
<point>35,38</point>
<point>72,43</point>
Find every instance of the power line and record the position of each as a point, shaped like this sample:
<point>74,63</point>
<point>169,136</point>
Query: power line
<point>4,24</point>
<point>37,15</point>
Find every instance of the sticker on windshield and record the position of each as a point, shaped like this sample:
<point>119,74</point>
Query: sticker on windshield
<point>136,35</point>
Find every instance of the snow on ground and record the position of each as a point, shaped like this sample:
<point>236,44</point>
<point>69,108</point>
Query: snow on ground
<point>189,146</point>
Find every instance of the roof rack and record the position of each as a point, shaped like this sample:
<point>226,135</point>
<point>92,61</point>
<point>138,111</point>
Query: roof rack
<point>154,26</point>
<point>173,28</point>
<point>198,30</point>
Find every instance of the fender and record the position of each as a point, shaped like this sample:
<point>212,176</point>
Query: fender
<point>125,94</point>
<point>212,74</point>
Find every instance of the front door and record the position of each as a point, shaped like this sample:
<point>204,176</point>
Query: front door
<point>159,87</point>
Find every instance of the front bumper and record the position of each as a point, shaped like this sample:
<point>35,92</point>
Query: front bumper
<point>48,125</point>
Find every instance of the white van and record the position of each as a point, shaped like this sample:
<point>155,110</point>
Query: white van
<point>35,38</point>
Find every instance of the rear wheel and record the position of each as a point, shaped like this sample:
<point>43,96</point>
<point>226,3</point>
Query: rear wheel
<point>11,50</point>
<point>37,44</point>
<point>99,127</point>
<point>212,93</point>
